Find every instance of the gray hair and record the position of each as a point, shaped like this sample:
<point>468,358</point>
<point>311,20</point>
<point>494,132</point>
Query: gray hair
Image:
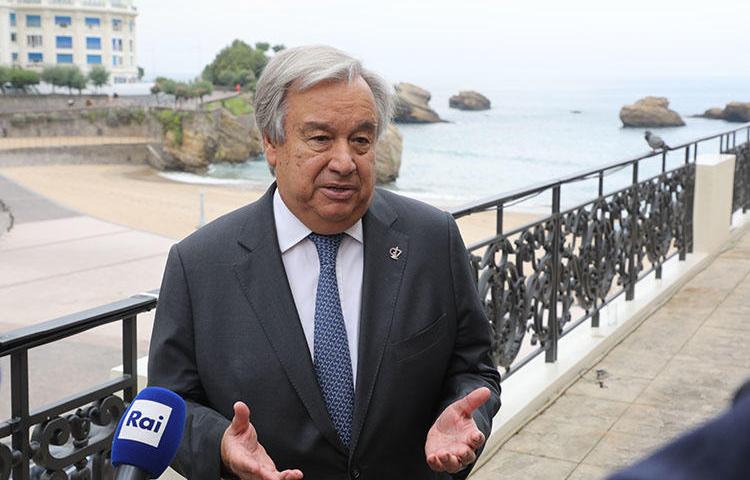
<point>306,67</point>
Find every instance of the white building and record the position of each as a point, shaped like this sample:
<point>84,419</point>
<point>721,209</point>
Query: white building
<point>34,33</point>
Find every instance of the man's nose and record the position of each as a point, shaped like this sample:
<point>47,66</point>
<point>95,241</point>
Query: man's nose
<point>342,160</point>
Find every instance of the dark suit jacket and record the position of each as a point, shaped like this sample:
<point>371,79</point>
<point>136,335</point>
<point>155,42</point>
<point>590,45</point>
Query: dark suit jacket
<point>227,329</point>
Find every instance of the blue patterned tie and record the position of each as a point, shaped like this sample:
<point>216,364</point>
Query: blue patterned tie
<point>333,364</point>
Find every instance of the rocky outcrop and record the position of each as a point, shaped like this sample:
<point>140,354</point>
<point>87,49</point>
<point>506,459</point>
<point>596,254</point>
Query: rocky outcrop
<point>202,138</point>
<point>469,100</point>
<point>716,113</point>
<point>388,155</point>
<point>733,112</point>
<point>412,105</point>
<point>650,112</point>
<point>737,112</point>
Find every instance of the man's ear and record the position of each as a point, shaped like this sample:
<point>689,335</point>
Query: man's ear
<point>270,150</point>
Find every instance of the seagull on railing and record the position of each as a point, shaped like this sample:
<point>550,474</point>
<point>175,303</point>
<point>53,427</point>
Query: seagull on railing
<point>655,142</point>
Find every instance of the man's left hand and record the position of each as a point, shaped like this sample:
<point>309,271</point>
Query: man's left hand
<point>454,437</point>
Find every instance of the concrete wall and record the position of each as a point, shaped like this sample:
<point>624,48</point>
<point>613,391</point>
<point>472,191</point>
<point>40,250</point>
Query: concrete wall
<point>90,122</point>
<point>78,155</point>
<point>59,101</point>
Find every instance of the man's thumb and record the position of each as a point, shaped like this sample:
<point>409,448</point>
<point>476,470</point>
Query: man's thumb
<point>241,418</point>
<point>473,400</point>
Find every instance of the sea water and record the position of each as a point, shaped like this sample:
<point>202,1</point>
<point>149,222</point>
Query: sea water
<point>532,135</point>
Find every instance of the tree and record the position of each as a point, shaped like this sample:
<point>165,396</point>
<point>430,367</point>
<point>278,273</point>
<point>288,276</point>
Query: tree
<point>21,79</point>
<point>77,80</point>
<point>231,64</point>
<point>98,76</point>
<point>4,77</point>
<point>141,72</point>
<point>54,75</point>
<point>278,48</point>
<point>203,88</point>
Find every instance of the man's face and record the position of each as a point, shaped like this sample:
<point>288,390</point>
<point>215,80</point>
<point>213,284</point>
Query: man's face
<point>325,167</point>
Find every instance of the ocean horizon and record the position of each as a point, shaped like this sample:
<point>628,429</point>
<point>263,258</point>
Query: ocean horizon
<point>530,135</point>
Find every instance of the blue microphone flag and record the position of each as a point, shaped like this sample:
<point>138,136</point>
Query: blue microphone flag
<point>150,431</point>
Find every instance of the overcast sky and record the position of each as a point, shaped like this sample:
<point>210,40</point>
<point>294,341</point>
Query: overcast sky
<point>469,43</point>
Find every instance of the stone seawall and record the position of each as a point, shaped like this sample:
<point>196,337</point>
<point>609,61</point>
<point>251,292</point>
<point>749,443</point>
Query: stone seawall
<point>47,103</point>
<point>91,122</point>
<point>79,155</point>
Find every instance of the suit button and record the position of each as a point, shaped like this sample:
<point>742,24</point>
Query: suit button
<point>355,474</point>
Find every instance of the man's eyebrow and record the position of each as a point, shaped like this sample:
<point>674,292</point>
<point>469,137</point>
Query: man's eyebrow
<point>307,126</point>
<point>366,126</point>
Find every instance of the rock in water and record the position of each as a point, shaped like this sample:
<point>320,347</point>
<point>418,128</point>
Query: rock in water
<point>737,112</point>
<point>716,113</point>
<point>388,155</point>
<point>469,100</point>
<point>211,137</point>
<point>650,112</point>
<point>412,105</point>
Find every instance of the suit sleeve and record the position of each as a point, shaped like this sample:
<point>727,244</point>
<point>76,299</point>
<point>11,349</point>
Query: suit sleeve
<point>471,366</point>
<point>172,365</point>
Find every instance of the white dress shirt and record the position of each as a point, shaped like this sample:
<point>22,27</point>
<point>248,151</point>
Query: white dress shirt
<point>302,267</point>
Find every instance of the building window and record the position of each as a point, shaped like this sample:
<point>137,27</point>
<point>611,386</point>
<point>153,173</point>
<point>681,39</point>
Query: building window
<point>64,58</point>
<point>94,59</point>
<point>93,43</point>
<point>116,24</point>
<point>12,19</point>
<point>116,60</point>
<point>63,21</point>
<point>93,22</point>
<point>64,42</point>
<point>15,56</point>
<point>132,26</point>
<point>33,20</point>
<point>117,44</point>
<point>34,41</point>
<point>131,45</point>
<point>13,37</point>
<point>35,57</point>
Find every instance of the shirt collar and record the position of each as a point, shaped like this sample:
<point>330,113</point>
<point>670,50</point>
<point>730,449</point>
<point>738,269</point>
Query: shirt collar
<point>290,230</point>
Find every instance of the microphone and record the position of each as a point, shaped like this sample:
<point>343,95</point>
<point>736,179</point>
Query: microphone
<point>148,434</point>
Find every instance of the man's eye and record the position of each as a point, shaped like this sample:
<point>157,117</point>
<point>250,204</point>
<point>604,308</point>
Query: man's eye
<point>362,140</point>
<point>320,138</point>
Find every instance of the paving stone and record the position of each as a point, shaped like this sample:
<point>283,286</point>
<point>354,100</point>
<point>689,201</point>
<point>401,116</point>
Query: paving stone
<point>719,346</point>
<point>622,388</point>
<point>723,274</point>
<point>659,338</point>
<point>729,319</point>
<point>657,422</point>
<point>634,361</point>
<point>617,450</point>
<point>549,438</point>
<point>589,472</point>
<point>585,411</point>
<point>508,465</point>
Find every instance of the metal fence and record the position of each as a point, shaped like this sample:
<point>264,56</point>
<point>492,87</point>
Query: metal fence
<point>546,277</point>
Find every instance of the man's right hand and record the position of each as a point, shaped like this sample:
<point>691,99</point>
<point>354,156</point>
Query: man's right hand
<point>244,456</point>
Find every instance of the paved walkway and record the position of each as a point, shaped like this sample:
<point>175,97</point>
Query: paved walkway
<point>55,262</point>
<point>677,369</point>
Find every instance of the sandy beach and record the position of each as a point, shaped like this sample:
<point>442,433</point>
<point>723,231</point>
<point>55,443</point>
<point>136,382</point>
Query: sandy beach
<point>136,196</point>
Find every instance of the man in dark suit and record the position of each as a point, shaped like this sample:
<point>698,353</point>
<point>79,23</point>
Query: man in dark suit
<point>343,317</point>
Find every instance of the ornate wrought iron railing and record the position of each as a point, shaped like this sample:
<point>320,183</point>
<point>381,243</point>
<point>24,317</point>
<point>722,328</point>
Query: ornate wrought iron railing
<point>741,192</point>
<point>71,438</point>
<point>553,274</point>
<point>546,277</point>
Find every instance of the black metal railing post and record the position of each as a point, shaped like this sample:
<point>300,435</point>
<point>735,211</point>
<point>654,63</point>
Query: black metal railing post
<point>130,356</point>
<point>19,400</point>
<point>553,332</point>
<point>687,224</point>
<point>633,214</point>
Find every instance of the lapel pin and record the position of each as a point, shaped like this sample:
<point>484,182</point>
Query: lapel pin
<point>395,252</point>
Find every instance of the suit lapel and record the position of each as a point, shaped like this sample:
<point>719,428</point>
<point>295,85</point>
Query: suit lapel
<point>264,282</point>
<point>381,283</point>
